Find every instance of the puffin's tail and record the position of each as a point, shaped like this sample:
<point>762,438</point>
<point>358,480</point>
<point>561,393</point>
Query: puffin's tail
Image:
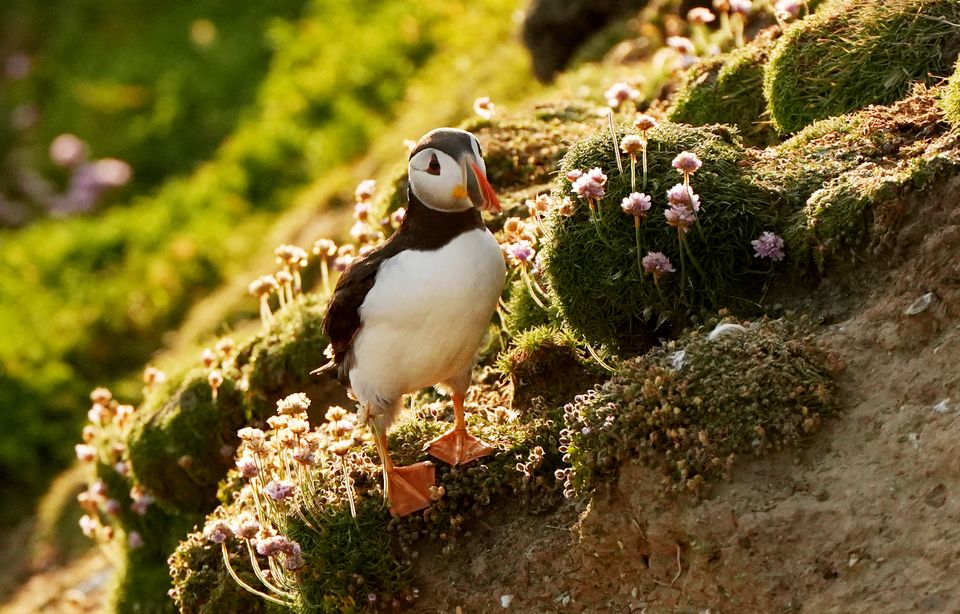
<point>325,368</point>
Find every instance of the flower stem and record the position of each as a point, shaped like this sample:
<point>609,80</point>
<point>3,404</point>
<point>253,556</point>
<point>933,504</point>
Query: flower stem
<point>325,275</point>
<point>644,161</point>
<point>236,578</point>
<point>616,141</point>
<point>533,293</point>
<point>596,357</point>
<point>633,172</point>
<point>636,228</point>
<point>259,572</point>
<point>348,487</point>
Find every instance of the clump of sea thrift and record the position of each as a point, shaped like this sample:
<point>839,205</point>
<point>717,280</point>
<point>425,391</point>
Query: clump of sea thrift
<point>281,468</point>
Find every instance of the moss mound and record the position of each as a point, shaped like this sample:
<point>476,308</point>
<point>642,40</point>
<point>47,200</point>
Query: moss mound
<point>838,174</point>
<point>594,269</point>
<point>728,89</point>
<point>690,406</point>
<point>524,150</point>
<point>950,99</point>
<point>202,583</point>
<point>545,364</point>
<point>858,52</point>
<point>177,449</point>
<point>278,362</point>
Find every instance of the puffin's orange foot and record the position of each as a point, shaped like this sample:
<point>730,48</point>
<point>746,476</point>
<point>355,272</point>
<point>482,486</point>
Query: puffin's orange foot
<point>457,447</point>
<point>410,488</point>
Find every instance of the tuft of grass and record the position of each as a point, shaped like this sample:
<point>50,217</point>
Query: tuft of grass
<point>593,268</point>
<point>728,89</point>
<point>950,99</point>
<point>858,52</point>
<point>689,407</point>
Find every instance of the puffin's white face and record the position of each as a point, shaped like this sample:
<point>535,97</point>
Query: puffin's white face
<point>446,184</point>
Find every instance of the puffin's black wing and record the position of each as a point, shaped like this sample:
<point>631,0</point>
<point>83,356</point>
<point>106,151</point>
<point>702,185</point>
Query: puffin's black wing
<point>341,323</point>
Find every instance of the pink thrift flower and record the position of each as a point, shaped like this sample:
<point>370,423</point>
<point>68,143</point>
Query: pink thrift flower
<point>680,217</point>
<point>217,531</point>
<point>365,190</point>
<point>68,150</point>
<point>85,453</point>
<point>768,245</point>
<point>574,175</point>
<point>700,15</point>
<point>657,264</point>
<point>246,526</point>
<point>636,204</point>
<point>135,540</point>
<point>278,490</point>
<point>619,93</point>
<point>680,44</point>
<point>680,195</point>
<point>484,107</point>
<point>687,162</point>
<point>521,252</point>
<point>248,466</point>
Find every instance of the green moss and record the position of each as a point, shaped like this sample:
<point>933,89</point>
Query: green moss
<point>950,99</point>
<point>728,89</point>
<point>858,52</point>
<point>278,362</point>
<point>689,407</point>
<point>837,173</point>
<point>545,363</point>
<point>594,269</point>
<point>524,151</point>
<point>177,448</point>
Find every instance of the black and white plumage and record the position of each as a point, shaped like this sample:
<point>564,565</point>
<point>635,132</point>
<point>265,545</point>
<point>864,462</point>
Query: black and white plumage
<point>414,312</point>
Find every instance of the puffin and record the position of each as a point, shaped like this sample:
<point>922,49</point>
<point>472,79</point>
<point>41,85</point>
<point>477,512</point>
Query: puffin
<point>414,311</point>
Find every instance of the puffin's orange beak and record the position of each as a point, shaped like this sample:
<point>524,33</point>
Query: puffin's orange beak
<point>490,201</point>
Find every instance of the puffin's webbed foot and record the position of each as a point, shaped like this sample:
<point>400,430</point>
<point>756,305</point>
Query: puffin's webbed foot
<point>409,488</point>
<point>457,447</point>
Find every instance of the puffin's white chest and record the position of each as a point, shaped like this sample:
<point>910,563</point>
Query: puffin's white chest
<point>425,317</point>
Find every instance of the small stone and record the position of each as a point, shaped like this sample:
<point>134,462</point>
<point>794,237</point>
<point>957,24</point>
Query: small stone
<point>725,329</point>
<point>920,305</point>
<point>506,600</point>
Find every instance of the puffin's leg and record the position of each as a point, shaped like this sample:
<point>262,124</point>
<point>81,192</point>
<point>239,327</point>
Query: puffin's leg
<point>406,488</point>
<point>456,446</point>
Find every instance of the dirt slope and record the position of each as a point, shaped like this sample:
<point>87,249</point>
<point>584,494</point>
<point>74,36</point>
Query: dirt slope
<point>867,519</point>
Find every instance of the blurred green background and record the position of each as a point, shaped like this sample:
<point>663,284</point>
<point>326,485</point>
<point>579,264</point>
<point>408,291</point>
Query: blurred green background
<point>231,118</point>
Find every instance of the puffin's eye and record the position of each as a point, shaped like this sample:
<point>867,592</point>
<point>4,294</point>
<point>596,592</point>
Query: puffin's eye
<point>434,167</point>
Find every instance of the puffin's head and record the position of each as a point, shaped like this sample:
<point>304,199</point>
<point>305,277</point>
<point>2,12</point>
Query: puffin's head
<point>447,172</point>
